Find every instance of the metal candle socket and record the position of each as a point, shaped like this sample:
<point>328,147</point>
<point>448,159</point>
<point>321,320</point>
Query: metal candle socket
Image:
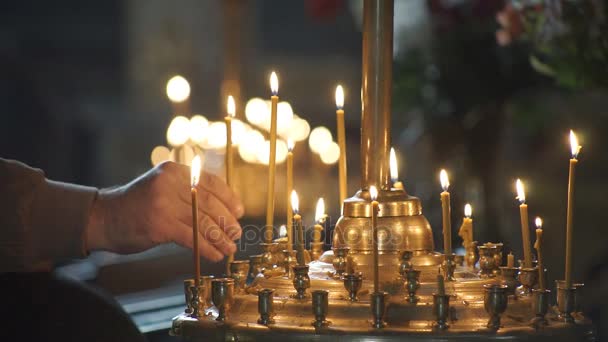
<point>449,266</point>
<point>528,277</point>
<point>268,258</point>
<point>238,272</point>
<point>471,256</point>
<point>441,310</point>
<point>222,294</point>
<point>495,302</point>
<point>566,298</point>
<point>352,283</point>
<point>266,306</point>
<point>340,260</point>
<point>489,259</point>
<point>509,278</point>
<point>406,262</point>
<point>196,295</point>
<point>320,306</point>
<point>378,306</point>
<point>412,284</point>
<point>301,280</point>
<point>255,267</point>
<point>289,260</point>
<point>540,306</point>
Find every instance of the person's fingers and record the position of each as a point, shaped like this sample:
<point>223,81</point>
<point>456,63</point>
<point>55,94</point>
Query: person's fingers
<point>214,208</point>
<point>182,235</point>
<point>216,236</point>
<point>222,191</point>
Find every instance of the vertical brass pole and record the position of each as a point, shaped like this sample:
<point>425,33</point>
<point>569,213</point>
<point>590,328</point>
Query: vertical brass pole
<point>376,88</point>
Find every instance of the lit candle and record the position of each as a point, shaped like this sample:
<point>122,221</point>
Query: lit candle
<point>394,170</point>
<point>290,146</point>
<point>525,228</point>
<point>274,100</point>
<point>539,254</point>
<point>510,260</point>
<point>319,219</point>
<point>575,149</point>
<point>231,110</point>
<point>446,212</point>
<point>341,142</point>
<point>297,224</point>
<point>373,192</point>
<point>195,175</point>
<point>466,229</point>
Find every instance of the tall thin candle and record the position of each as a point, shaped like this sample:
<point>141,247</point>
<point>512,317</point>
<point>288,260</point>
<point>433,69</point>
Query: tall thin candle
<point>341,142</point>
<point>525,228</point>
<point>539,254</point>
<point>575,149</point>
<point>373,192</point>
<point>446,212</point>
<point>195,174</point>
<point>297,224</point>
<point>274,100</point>
<point>394,170</point>
<point>289,176</point>
<point>231,111</point>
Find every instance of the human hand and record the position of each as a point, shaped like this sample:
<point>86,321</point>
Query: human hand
<point>156,208</point>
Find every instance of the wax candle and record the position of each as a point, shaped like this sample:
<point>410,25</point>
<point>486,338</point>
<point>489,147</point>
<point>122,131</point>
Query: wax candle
<point>446,212</point>
<point>289,183</point>
<point>440,283</point>
<point>341,142</point>
<point>231,111</point>
<point>274,100</point>
<point>319,219</point>
<point>510,260</point>
<point>394,171</point>
<point>525,228</point>
<point>575,149</point>
<point>373,192</point>
<point>539,254</point>
<point>297,224</point>
<point>466,229</point>
<point>195,174</point>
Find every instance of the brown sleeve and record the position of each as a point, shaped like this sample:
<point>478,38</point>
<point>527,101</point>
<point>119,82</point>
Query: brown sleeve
<point>41,221</point>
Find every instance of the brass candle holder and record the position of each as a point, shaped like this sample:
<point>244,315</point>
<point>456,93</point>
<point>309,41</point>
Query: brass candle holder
<point>406,262</point>
<point>320,306</point>
<point>540,306</point>
<point>289,260</point>
<point>509,278</point>
<point>487,261</point>
<point>459,260</point>
<point>566,298</point>
<point>352,283</point>
<point>471,256</point>
<point>238,271</point>
<point>448,267</point>
<point>266,306</point>
<point>255,267</point>
<point>495,302</point>
<point>412,284</point>
<point>441,310</point>
<point>222,294</point>
<point>301,281</point>
<point>188,283</point>
<point>340,261</point>
<point>196,292</point>
<point>378,307</point>
<point>268,257</point>
<point>528,277</point>
<point>206,297</point>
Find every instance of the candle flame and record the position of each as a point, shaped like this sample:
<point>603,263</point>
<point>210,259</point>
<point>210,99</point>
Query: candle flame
<point>393,166</point>
<point>290,144</point>
<point>195,171</point>
<point>443,178</point>
<point>468,210</point>
<point>282,231</point>
<point>538,222</point>
<point>274,83</point>
<point>178,89</point>
<point>339,97</point>
<point>294,202</point>
<point>521,194</point>
<point>320,212</point>
<point>574,146</point>
<point>231,107</point>
<point>373,193</point>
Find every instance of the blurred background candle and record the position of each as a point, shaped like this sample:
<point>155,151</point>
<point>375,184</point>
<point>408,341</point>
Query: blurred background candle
<point>510,260</point>
<point>446,212</point>
<point>319,219</point>
<point>539,254</point>
<point>466,230</point>
<point>341,142</point>
<point>231,110</point>
<point>289,185</point>
<point>525,228</point>
<point>178,92</point>
<point>394,170</point>
<point>575,149</point>
<point>297,225</point>
<point>274,100</point>
<point>373,192</point>
<point>195,174</point>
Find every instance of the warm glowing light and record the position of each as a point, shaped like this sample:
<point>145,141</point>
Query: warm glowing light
<point>445,181</point>
<point>216,135</point>
<point>290,144</point>
<point>195,171</point>
<point>282,231</point>
<point>284,117</point>
<point>159,154</point>
<point>538,222</point>
<point>574,146</point>
<point>274,83</point>
<point>468,210</point>
<point>249,144</point>
<point>330,154</point>
<point>393,166</point>
<point>281,149</point>
<point>339,97</point>
<point>198,129</point>
<point>230,106</point>
<point>178,89</point>
<point>178,132</point>
<point>294,202</point>
<point>320,212</point>
<point>319,139</point>
<point>521,194</point>
<point>298,130</point>
<point>256,111</point>
<point>373,193</point>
